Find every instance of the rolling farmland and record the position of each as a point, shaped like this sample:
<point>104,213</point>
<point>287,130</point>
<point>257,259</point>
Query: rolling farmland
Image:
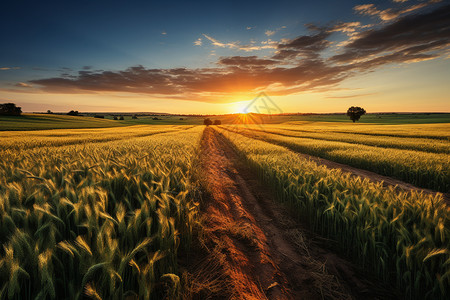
<point>107,213</point>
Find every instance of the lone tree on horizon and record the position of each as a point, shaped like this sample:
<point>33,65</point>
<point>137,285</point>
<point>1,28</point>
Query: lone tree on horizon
<point>355,112</point>
<point>207,122</point>
<point>10,109</point>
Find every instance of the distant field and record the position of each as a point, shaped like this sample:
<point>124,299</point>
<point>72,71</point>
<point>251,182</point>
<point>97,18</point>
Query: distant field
<point>45,121</point>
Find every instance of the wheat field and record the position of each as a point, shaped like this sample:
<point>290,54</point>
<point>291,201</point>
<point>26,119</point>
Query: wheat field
<point>105,213</point>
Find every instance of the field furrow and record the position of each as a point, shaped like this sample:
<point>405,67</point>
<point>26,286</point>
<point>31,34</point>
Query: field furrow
<point>426,170</point>
<point>408,143</point>
<point>56,138</point>
<point>439,131</point>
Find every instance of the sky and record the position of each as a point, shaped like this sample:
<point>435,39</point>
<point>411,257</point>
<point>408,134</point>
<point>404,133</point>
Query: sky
<point>215,57</point>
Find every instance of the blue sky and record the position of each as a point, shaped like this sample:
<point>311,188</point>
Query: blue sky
<point>62,54</point>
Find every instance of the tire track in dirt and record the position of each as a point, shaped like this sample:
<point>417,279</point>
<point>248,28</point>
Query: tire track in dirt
<point>261,249</point>
<point>371,176</point>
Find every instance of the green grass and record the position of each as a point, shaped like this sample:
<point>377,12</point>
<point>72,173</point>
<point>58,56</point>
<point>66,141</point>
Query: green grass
<point>391,119</point>
<point>45,121</point>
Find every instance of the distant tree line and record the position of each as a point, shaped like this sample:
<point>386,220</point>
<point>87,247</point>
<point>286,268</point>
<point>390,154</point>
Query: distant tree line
<point>73,113</point>
<point>208,122</point>
<point>10,109</point>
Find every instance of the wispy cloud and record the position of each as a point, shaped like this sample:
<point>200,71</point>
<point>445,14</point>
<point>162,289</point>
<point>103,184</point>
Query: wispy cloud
<point>23,84</point>
<point>220,44</point>
<point>9,68</point>
<point>164,33</point>
<point>390,13</point>
<point>269,44</point>
<point>198,42</point>
<point>350,96</point>
<point>272,32</point>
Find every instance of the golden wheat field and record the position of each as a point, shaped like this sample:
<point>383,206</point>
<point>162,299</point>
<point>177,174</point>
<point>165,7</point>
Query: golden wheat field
<point>129,212</point>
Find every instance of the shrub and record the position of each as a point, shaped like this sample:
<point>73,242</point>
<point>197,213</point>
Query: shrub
<point>10,109</point>
<point>73,113</point>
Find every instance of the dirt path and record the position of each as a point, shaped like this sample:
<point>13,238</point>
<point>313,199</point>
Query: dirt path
<point>372,176</point>
<point>262,251</point>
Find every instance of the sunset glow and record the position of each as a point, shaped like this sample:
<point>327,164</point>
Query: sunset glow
<point>389,56</point>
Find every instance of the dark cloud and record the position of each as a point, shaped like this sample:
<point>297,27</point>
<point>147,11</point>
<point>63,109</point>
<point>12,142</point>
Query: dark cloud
<point>314,43</point>
<point>415,35</point>
<point>243,61</point>
<point>296,66</point>
<point>305,45</point>
<point>192,83</point>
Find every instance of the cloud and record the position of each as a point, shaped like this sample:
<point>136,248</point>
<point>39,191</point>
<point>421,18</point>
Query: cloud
<point>269,44</point>
<point>9,68</point>
<point>245,61</point>
<point>390,13</point>
<point>304,46</point>
<point>350,96</point>
<point>220,44</point>
<point>250,27</point>
<point>297,65</point>
<point>23,84</point>
<point>234,75</point>
<point>163,33</point>
<point>198,42</point>
<point>272,32</point>
<point>348,27</point>
<point>412,38</point>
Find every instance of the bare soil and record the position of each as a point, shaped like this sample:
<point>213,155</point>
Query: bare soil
<point>260,250</point>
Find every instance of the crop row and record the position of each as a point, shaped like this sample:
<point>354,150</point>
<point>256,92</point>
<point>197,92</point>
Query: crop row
<point>426,131</point>
<point>419,144</point>
<point>105,220</point>
<point>426,170</point>
<point>55,138</point>
<point>402,237</point>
